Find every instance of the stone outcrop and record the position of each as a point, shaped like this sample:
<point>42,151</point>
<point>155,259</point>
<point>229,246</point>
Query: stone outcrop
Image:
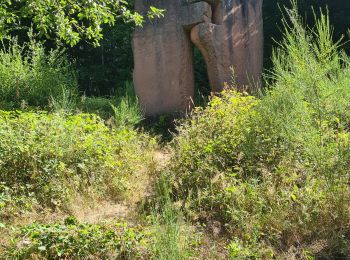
<point>227,32</point>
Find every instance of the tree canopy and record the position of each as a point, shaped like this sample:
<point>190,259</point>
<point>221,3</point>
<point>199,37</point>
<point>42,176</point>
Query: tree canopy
<point>69,20</point>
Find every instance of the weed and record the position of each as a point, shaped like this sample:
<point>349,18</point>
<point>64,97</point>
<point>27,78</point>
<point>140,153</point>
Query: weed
<point>171,240</point>
<point>74,240</point>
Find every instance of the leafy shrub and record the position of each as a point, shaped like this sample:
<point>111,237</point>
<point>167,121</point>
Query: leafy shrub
<point>74,240</point>
<point>57,155</point>
<point>15,201</point>
<point>203,155</point>
<point>274,171</point>
<point>31,76</point>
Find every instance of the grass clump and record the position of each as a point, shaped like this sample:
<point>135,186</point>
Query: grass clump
<point>74,240</point>
<point>54,156</point>
<point>123,108</point>
<point>30,76</point>
<point>172,237</point>
<point>126,108</point>
<point>274,170</point>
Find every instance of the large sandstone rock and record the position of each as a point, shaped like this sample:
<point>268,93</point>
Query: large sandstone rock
<point>163,56</point>
<point>227,32</point>
<point>234,39</point>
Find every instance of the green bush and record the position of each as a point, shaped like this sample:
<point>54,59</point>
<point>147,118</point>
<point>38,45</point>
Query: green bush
<point>29,76</point>
<point>55,156</point>
<point>74,240</point>
<point>274,171</point>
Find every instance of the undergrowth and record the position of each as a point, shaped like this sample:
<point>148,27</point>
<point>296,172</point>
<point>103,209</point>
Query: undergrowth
<point>123,108</point>
<point>51,157</point>
<point>269,174</point>
<point>31,76</point>
<point>273,171</point>
<point>172,236</point>
<point>74,240</point>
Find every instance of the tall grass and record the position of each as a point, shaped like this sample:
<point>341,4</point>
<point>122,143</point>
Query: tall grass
<point>171,238</point>
<point>31,76</point>
<point>65,102</point>
<point>127,110</point>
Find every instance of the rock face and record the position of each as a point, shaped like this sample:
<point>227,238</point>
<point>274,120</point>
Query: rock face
<point>227,32</point>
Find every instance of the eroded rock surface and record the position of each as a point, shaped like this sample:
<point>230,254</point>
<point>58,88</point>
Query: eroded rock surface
<point>227,32</point>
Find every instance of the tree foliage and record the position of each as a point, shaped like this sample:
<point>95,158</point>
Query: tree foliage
<point>69,20</point>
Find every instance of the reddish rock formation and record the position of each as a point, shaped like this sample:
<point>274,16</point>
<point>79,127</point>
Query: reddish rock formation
<point>227,32</point>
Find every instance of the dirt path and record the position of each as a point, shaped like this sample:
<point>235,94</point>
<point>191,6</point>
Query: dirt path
<point>141,188</point>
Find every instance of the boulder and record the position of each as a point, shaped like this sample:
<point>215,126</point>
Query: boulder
<point>163,56</point>
<point>233,39</point>
<point>228,33</point>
